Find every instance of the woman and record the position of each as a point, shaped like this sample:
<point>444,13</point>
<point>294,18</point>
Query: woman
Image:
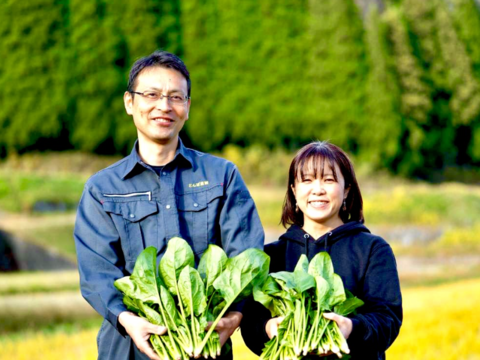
<point>323,209</point>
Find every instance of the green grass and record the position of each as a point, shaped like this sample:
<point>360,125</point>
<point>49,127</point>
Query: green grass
<point>32,311</point>
<point>269,201</point>
<point>51,230</point>
<point>58,237</point>
<point>58,178</point>
<point>450,204</point>
<point>453,209</point>
<point>65,326</point>
<point>446,205</point>
<point>34,282</point>
<point>26,191</point>
<point>42,301</point>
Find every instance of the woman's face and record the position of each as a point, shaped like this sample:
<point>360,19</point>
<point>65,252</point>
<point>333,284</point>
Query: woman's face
<point>320,198</point>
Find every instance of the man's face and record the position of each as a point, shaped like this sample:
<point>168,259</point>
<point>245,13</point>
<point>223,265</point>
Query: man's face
<point>158,121</point>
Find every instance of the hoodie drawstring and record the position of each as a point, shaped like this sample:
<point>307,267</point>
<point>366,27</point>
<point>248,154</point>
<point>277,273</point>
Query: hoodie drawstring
<point>306,236</point>
<point>326,238</point>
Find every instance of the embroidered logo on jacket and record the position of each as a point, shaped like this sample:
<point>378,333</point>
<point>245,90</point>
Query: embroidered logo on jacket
<point>198,184</point>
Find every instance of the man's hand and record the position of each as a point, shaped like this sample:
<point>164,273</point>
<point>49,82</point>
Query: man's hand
<point>139,330</point>
<point>227,325</point>
<point>344,324</point>
<point>271,327</point>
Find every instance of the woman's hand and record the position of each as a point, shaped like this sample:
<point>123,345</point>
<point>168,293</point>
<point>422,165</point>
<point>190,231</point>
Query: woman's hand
<point>140,330</point>
<point>271,327</point>
<point>344,324</point>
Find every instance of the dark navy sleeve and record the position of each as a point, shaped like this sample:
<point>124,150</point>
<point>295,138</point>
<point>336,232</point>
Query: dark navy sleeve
<point>378,322</point>
<point>100,257</point>
<point>255,315</point>
<point>240,224</point>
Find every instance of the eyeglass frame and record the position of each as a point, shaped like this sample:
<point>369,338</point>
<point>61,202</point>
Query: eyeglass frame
<point>161,97</point>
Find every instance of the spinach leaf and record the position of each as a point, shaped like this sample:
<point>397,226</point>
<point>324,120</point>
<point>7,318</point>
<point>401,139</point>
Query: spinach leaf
<point>192,291</point>
<point>211,265</point>
<point>177,256</point>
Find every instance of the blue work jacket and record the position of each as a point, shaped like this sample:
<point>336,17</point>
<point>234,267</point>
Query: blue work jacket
<point>129,206</point>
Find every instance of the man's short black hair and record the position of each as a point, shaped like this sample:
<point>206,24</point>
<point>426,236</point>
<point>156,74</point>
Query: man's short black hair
<point>161,59</point>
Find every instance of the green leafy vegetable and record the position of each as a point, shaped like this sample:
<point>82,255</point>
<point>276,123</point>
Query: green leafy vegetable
<point>185,299</point>
<point>302,296</point>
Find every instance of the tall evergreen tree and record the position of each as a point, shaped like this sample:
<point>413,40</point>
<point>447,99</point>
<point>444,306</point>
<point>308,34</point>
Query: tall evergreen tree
<point>32,82</point>
<point>415,102</point>
<point>380,147</point>
<point>337,71</point>
<point>456,92</point>
<point>275,91</point>
<point>421,19</point>
<point>96,81</point>
<point>465,100</point>
<point>466,15</point>
<point>247,71</point>
<point>200,26</point>
<point>143,27</point>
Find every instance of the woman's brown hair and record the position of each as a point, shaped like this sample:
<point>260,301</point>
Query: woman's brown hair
<point>314,155</point>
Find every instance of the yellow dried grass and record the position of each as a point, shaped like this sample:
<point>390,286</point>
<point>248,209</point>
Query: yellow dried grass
<point>440,322</point>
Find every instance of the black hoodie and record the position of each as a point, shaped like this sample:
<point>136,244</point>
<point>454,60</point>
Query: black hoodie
<point>368,269</point>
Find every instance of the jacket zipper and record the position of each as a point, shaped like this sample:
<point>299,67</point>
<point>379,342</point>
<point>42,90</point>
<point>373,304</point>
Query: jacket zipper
<point>149,193</point>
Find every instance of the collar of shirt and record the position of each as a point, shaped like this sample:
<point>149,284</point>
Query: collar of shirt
<point>135,164</point>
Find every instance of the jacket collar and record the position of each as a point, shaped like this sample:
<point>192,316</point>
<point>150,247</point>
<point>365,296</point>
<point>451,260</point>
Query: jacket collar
<point>135,164</point>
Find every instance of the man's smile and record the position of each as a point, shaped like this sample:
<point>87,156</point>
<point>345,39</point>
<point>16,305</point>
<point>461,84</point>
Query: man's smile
<point>163,119</point>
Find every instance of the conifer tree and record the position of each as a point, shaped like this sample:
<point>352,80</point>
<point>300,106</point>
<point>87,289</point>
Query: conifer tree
<point>32,80</point>
<point>247,70</point>
<point>415,94</point>
<point>421,20</point>
<point>465,100</point>
<point>455,92</point>
<point>337,71</point>
<point>199,23</point>
<point>96,81</point>
<point>143,27</point>
<point>466,15</point>
<point>380,147</point>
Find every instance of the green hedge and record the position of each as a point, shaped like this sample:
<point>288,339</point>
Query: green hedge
<point>399,88</point>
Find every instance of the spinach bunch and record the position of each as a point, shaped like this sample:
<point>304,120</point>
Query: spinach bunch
<point>185,299</point>
<point>302,296</point>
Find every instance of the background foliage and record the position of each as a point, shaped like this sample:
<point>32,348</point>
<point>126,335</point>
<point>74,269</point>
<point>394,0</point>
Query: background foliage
<point>398,86</point>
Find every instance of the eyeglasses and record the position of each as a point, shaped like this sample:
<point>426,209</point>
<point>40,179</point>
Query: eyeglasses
<point>153,96</point>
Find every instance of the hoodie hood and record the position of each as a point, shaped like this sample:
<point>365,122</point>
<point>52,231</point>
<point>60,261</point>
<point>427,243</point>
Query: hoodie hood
<point>296,234</point>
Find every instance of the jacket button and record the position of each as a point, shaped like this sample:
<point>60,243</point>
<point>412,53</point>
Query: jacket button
<point>168,207</point>
<point>132,216</point>
<point>196,205</point>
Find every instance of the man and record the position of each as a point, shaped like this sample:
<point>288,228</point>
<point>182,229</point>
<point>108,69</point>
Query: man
<point>161,190</point>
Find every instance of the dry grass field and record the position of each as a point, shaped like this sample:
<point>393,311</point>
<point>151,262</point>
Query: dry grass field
<point>440,323</point>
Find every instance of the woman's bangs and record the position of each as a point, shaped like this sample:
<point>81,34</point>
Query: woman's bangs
<point>313,163</point>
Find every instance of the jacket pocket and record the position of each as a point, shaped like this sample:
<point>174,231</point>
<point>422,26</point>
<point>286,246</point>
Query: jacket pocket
<point>137,225</point>
<point>198,216</point>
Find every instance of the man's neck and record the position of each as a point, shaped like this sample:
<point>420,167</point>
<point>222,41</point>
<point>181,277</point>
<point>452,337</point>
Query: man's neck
<point>157,154</point>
